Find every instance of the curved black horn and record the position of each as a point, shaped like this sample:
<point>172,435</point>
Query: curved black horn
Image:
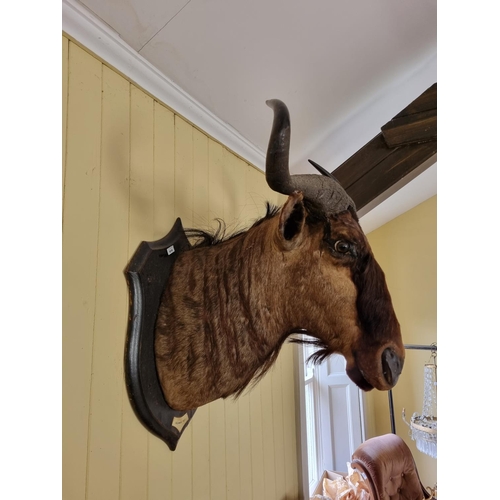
<point>324,190</point>
<point>321,170</point>
<point>277,170</point>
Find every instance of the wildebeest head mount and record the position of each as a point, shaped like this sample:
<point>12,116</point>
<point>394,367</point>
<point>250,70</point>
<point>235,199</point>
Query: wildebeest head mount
<point>372,343</point>
<point>221,312</point>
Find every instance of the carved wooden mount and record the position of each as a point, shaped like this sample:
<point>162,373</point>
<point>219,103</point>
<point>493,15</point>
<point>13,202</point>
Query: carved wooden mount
<point>147,274</point>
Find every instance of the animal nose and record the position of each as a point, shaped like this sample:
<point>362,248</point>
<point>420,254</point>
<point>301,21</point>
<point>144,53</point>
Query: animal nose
<point>391,366</point>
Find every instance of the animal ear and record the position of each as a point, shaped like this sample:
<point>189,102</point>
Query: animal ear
<point>291,222</point>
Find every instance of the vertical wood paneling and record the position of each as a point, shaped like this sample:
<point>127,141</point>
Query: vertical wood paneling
<point>289,422</point>
<point>81,212</point>
<point>268,444</point>
<point>233,485</point>
<point>184,171</point>
<point>217,450</point>
<point>159,469</point>
<point>217,408</point>
<point>201,421</point>
<point>254,210</point>
<point>141,168</point>
<point>159,456</point>
<point>268,436</point>
<point>200,180</point>
<point>215,183</point>
<point>240,193</point>
<point>182,464</point>
<point>245,448</point>
<point>182,467</point>
<point>244,431</point>
<point>277,423</point>
<point>134,445</point>
<point>231,409</point>
<point>65,62</point>
<point>263,192</point>
<point>109,329</point>
<point>229,181</point>
<point>256,195</point>
<point>164,170</point>
<point>130,167</point>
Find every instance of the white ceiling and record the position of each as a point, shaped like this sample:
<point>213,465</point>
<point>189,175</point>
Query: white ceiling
<point>344,68</point>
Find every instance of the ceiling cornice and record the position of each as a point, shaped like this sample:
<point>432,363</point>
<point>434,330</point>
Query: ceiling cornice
<point>95,35</point>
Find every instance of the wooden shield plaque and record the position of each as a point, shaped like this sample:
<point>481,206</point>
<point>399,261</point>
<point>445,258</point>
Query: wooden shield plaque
<point>147,274</point>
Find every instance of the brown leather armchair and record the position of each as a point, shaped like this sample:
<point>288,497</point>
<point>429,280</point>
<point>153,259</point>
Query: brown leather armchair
<point>390,469</point>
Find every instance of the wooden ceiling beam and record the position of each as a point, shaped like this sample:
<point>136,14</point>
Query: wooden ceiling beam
<point>418,127</point>
<point>390,171</point>
<point>407,143</point>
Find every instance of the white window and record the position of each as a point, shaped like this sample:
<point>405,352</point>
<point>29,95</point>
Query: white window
<point>331,414</point>
<point>311,456</point>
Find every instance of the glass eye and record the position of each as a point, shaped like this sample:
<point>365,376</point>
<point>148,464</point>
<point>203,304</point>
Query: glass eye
<point>342,246</point>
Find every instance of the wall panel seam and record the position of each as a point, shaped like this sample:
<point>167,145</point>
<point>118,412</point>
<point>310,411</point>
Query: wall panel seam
<point>208,412</point>
<point>154,163</point>
<point>66,131</point>
<point>89,426</point>
<point>128,253</point>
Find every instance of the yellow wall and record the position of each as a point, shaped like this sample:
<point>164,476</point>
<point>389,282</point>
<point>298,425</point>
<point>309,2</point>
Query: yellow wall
<point>130,167</point>
<point>406,250</point>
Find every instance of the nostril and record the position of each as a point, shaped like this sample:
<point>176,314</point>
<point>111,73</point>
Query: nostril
<point>391,366</point>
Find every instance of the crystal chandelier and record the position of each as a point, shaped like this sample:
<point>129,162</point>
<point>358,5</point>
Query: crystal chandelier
<point>423,428</point>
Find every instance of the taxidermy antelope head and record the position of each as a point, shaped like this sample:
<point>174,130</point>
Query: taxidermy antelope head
<point>230,304</point>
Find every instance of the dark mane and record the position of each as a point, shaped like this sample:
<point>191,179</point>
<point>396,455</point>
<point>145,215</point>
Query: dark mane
<point>318,356</point>
<point>201,239</point>
<point>205,239</point>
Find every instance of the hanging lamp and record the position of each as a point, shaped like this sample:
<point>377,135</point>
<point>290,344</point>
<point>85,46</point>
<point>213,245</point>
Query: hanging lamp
<point>423,428</point>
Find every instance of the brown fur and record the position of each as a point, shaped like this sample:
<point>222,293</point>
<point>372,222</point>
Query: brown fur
<point>228,307</point>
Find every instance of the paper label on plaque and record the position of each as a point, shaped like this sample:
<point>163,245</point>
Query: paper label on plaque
<point>170,250</point>
<point>180,422</point>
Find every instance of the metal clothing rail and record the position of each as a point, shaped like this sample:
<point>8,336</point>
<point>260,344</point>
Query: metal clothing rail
<point>433,348</point>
